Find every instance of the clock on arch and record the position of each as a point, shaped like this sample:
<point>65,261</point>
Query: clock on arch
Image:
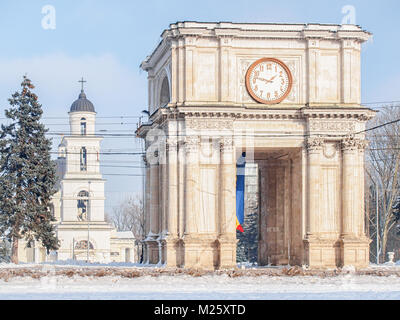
<point>268,81</point>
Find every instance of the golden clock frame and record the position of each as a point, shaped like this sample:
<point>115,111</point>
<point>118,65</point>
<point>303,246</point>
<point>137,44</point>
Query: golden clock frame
<point>253,95</point>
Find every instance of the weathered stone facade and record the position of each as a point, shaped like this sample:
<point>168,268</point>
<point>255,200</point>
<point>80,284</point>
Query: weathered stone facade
<point>309,148</point>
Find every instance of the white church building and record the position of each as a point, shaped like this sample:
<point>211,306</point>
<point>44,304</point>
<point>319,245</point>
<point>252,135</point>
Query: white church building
<point>78,205</point>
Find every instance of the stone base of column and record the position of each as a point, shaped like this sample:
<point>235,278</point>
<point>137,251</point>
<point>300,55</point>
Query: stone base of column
<point>152,251</point>
<point>172,256</point>
<point>355,252</point>
<point>322,253</point>
<point>262,253</point>
<point>200,253</point>
<point>227,253</point>
<point>266,258</point>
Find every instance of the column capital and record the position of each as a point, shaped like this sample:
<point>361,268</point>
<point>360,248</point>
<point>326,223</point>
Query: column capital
<point>350,144</point>
<point>314,144</point>
<point>146,163</point>
<point>192,143</point>
<point>226,144</point>
<point>362,144</point>
<point>172,144</point>
<point>155,161</point>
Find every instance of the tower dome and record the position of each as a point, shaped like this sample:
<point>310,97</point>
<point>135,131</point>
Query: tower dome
<point>82,104</point>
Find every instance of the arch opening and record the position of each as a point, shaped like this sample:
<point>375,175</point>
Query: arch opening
<point>164,93</point>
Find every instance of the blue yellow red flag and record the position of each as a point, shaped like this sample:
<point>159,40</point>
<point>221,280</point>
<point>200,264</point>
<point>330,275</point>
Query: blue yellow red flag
<point>240,176</point>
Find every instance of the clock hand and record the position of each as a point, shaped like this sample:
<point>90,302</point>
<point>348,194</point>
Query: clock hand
<point>266,80</point>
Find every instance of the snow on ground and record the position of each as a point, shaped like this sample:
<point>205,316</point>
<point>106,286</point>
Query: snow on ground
<point>206,287</point>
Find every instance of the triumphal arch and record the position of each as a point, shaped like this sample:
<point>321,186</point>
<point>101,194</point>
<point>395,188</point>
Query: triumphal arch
<point>288,95</point>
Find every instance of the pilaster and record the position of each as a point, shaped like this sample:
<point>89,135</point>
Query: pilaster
<point>227,216</point>
<point>354,243</point>
<point>170,249</point>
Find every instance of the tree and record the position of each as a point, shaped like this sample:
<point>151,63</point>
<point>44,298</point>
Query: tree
<point>129,216</point>
<point>27,174</point>
<point>396,211</point>
<point>383,164</point>
<point>4,250</point>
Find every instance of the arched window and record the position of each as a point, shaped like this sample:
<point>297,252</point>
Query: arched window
<point>83,206</point>
<point>164,93</point>
<point>83,161</point>
<point>83,126</point>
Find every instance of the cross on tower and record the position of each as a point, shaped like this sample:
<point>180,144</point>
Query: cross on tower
<point>82,82</point>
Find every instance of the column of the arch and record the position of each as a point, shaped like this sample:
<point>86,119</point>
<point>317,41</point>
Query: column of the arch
<point>171,242</point>
<point>314,148</point>
<point>362,144</point>
<point>163,204</point>
<point>227,199</point>
<point>349,153</point>
<point>313,247</point>
<point>264,200</point>
<point>146,208</point>
<point>355,246</point>
<point>152,244</point>
<point>192,247</point>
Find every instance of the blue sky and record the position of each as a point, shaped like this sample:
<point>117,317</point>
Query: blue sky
<point>105,42</point>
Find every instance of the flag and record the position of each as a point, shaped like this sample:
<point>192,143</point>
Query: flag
<point>240,170</point>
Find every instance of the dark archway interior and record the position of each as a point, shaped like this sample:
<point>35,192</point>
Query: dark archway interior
<point>164,95</point>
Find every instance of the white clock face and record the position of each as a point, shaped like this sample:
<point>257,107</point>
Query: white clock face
<point>268,80</point>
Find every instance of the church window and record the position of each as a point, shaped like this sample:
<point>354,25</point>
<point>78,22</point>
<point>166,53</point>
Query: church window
<point>83,126</point>
<point>83,161</point>
<point>83,206</point>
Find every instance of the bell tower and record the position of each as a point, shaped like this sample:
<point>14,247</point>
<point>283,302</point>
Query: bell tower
<point>82,187</point>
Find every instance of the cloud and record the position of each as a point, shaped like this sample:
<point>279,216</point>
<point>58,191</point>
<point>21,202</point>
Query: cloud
<point>113,88</point>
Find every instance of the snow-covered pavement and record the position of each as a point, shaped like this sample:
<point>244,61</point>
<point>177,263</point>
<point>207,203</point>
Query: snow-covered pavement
<point>208,287</point>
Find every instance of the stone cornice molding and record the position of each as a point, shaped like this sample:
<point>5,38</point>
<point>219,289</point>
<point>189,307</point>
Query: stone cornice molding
<point>199,118</point>
<point>180,30</point>
<point>360,113</point>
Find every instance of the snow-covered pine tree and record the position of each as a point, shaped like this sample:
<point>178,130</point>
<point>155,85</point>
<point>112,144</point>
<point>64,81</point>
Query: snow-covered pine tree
<point>27,174</point>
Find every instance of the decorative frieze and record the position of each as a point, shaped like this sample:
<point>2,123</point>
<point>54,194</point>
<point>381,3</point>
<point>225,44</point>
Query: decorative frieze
<point>209,124</point>
<point>332,126</point>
